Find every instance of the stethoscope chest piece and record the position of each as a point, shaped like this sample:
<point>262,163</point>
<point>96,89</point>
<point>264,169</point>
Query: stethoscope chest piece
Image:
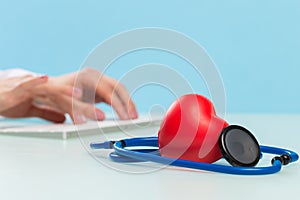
<point>238,146</point>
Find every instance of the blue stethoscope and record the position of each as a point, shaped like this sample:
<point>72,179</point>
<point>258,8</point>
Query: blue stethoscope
<point>146,149</point>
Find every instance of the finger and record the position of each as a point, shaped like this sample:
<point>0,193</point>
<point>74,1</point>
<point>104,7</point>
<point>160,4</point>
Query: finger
<point>42,101</point>
<point>119,107</point>
<point>126,100</point>
<point>81,111</point>
<point>61,102</point>
<point>78,110</point>
<point>98,87</point>
<point>113,100</point>
<point>47,114</point>
<point>121,100</point>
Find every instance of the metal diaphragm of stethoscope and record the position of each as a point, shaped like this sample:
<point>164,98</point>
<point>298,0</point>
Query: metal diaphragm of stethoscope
<point>193,136</point>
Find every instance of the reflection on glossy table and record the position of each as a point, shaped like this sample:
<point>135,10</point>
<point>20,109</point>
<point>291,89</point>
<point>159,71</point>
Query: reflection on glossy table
<point>39,168</point>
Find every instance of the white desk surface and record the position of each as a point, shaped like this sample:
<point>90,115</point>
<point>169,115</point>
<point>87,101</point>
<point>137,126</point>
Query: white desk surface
<point>37,168</point>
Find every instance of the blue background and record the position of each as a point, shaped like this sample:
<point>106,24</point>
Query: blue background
<point>255,44</point>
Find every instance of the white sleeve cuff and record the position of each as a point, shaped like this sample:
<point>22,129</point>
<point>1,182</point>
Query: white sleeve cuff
<point>10,73</point>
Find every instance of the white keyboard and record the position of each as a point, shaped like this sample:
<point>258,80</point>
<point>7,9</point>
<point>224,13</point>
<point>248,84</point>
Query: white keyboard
<point>68,130</point>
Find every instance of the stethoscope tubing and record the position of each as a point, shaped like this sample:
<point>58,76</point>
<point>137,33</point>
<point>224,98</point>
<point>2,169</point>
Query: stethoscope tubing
<point>124,155</point>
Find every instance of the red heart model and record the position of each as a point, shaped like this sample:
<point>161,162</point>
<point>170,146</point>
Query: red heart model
<point>190,130</point>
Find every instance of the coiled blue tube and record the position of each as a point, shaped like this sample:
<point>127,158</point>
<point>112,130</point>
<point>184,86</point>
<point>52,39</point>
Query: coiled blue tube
<point>146,155</point>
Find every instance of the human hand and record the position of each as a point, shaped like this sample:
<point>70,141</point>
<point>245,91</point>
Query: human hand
<point>17,98</point>
<point>96,88</point>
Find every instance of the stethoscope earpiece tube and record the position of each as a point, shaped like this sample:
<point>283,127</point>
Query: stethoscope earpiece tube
<point>284,159</point>
<point>285,156</point>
